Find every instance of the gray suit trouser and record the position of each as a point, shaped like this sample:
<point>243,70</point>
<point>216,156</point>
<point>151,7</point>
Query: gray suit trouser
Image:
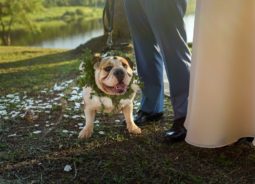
<point>159,39</point>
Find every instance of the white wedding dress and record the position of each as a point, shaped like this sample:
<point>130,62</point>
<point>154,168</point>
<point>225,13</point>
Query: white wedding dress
<point>222,92</point>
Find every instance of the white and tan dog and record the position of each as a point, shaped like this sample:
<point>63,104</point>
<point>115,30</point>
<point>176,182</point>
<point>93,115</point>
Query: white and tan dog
<point>112,76</point>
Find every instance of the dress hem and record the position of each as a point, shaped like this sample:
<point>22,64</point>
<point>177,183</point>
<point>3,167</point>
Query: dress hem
<point>216,146</point>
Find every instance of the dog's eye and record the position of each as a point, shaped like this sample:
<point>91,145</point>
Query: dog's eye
<point>108,68</point>
<point>124,65</point>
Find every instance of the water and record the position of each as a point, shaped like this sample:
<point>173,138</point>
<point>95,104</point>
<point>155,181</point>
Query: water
<point>71,41</point>
<point>68,36</point>
<point>189,24</point>
<point>73,35</point>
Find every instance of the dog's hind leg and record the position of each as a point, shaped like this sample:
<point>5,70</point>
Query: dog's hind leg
<point>88,129</point>
<point>131,126</point>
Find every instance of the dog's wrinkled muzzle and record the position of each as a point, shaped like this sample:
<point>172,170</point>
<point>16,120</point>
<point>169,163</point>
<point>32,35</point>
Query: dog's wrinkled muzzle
<point>120,88</point>
<point>119,74</point>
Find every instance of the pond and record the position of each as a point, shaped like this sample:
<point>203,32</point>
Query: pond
<point>68,36</point>
<point>74,34</point>
<point>77,34</point>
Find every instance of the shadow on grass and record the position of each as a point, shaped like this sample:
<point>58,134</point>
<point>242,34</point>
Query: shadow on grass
<point>37,72</point>
<point>144,160</point>
<point>45,59</point>
<point>118,157</point>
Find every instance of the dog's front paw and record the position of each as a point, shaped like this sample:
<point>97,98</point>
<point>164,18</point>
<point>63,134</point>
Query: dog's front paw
<point>134,130</point>
<point>85,133</point>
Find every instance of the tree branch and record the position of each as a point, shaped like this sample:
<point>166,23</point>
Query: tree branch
<point>2,24</point>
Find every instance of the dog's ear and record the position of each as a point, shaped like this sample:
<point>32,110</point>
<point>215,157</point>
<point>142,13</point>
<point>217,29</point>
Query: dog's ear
<point>96,60</point>
<point>131,63</point>
<point>96,65</point>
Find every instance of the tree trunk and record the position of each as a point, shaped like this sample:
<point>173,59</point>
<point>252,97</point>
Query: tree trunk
<point>120,31</point>
<point>6,39</point>
<point>6,32</point>
<point>120,27</point>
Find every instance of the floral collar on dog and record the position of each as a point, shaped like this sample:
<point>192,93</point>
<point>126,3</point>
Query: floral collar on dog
<point>87,78</point>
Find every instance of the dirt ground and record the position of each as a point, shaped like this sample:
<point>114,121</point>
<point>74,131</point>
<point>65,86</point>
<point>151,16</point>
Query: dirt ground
<point>39,144</point>
<point>46,149</point>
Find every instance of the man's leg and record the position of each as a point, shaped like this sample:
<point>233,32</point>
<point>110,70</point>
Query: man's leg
<point>166,20</point>
<point>149,61</point>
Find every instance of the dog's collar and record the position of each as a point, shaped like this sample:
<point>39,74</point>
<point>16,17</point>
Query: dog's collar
<point>87,78</point>
<point>114,98</point>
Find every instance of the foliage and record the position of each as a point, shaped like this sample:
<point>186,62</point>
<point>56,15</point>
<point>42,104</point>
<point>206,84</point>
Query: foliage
<point>79,12</point>
<point>70,16</point>
<point>87,77</point>
<point>16,11</point>
<point>52,22</point>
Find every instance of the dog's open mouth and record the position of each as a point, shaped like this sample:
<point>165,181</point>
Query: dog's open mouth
<point>120,88</point>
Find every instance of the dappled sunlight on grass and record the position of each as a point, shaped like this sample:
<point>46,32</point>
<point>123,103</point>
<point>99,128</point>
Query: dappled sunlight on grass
<point>32,69</point>
<point>14,54</point>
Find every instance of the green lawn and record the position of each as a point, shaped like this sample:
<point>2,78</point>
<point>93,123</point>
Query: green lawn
<point>191,7</point>
<point>32,69</point>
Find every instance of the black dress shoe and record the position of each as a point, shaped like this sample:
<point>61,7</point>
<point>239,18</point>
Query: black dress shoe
<point>144,117</point>
<point>177,132</point>
<point>249,139</point>
<point>245,139</point>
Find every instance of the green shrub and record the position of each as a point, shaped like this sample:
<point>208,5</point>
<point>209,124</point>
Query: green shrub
<point>68,16</point>
<point>79,12</point>
<point>69,13</point>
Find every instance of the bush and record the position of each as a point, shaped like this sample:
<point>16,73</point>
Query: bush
<point>68,13</point>
<point>51,3</point>
<point>68,16</point>
<point>79,12</point>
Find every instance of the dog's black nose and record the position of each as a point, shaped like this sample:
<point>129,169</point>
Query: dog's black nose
<point>119,74</point>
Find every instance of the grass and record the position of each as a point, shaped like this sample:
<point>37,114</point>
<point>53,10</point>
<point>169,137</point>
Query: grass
<point>115,156</point>
<point>32,69</point>
<point>191,7</point>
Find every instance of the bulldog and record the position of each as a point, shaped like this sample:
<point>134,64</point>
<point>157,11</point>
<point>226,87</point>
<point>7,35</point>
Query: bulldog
<point>113,77</point>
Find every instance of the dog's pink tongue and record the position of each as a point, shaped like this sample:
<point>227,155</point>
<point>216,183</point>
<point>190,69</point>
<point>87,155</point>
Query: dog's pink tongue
<point>120,88</point>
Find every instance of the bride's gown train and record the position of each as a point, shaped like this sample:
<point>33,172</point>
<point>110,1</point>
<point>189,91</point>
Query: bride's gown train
<point>222,93</point>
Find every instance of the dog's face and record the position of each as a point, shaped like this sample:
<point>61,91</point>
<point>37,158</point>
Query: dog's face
<point>113,75</point>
